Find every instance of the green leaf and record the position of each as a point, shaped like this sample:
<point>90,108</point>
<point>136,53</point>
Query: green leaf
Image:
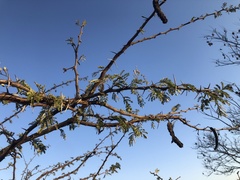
<point>175,108</point>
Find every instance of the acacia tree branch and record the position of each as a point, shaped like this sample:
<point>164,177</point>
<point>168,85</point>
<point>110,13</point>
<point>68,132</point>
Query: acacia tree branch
<point>14,163</point>
<point>77,59</point>
<point>232,43</point>
<point>25,138</point>
<point>193,20</point>
<point>14,84</point>
<point>59,85</point>
<point>225,160</point>
<point>22,139</point>
<point>118,54</point>
<point>95,152</point>
<point>48,101</point>
<point>13,115</point>
<point>27,172</point>
<point>45,100</point>
<point>108,155</point>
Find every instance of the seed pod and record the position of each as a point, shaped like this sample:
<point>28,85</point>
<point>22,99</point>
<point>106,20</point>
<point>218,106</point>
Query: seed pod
<point>159,12</point>
<point>216,137</point>
<point>174,138</point>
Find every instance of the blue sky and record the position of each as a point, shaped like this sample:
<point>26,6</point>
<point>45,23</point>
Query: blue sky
<point>33,46</point>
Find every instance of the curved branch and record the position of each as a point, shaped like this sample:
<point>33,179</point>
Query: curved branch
<point>174,138</point>
<point>216,137</point>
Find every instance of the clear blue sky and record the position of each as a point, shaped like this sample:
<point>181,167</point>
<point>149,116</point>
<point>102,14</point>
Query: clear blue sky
<point>33,46</point>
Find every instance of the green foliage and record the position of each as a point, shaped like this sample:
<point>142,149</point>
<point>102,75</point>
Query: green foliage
<point>33,97</point>
<point>219,96</point>
<point>175,108</point>
<point>39,147</point>
<point>157,93</point>
<point>124,126</point>
<point>119,80</point>
<point>46,119</point>
<point>114,167</point>
<point>63,134</point>
<point>137,131</point>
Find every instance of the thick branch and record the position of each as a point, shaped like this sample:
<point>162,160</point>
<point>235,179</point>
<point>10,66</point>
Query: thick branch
<point>14,84</point>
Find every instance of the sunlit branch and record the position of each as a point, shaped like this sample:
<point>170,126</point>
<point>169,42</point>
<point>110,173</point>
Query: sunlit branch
<point>76,63</point>
<point>14,84</point>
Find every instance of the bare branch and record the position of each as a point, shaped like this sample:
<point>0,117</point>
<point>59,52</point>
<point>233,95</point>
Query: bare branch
<point>193,20</point>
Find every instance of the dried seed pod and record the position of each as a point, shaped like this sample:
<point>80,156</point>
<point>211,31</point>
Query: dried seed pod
<point>216,137</point>
<point>174,138</point>
<point>159,12</point>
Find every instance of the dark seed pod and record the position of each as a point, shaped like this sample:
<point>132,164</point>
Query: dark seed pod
<point>174,138</point>
<point>216,137</point>
<point>159,12</point>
